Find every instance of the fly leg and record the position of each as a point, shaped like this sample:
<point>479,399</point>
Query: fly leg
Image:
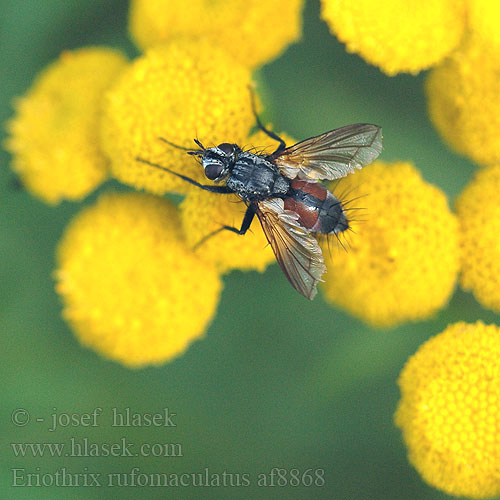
<point>247,221</point>
<point>206,187</point>
<point>271,134</point>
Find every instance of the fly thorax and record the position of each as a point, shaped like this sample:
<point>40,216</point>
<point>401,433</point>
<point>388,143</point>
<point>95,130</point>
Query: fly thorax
<point>281,185</point>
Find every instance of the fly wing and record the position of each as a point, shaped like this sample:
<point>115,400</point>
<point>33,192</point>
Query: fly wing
<point>331,155</point>
<point>295,248</point>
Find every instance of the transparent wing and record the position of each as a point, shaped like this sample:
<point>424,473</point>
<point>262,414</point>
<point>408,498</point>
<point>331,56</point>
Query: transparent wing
<point>295,248</point>
<point>331,155</point>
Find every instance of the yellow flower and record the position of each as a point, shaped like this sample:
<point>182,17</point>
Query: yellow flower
<point>463,98</point>
<point>185,89</point>
<point>401,263</point>
<point>131,288</point>
<point>449,410</point>
<point>397,36</point>
<point>254,32</point>
<point>203,212</point>
<point>478,210</point>
<point>53,136</point>
<point>484,19</point>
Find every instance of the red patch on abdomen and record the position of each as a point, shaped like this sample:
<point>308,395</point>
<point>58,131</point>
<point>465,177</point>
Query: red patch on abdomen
<point>308,216</point>
<point>317,190</point>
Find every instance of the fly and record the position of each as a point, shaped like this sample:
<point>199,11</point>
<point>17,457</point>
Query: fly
<point>284,190</point>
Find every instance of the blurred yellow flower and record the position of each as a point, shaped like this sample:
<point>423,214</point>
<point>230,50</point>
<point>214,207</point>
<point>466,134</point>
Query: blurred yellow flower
<point>449,410</point>
<point>179,91</point>
<point>463,98</point>
<point>203,212</point>
<point>401,264</point>
<point>53,136</point>
<point>254,32</point>
<point>397,36</point>
<point>484,19</point>
<point>131,288</point>
<point>478,211</point>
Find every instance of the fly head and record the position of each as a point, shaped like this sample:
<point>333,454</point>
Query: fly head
<point>219,160</point>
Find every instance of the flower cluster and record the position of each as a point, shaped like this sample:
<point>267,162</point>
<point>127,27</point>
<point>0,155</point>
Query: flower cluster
<point>389,273</point>
<point>253,32</point>
<point>54,138</point>
<point>184,89</point>
<point>478,210</point>
<point>459,40</point>
<point>464,103</point>
<point>132,283</point>
<point>449,410</point>
<point>463,93</point>
<point>484,18</point>
<point>397,36</point>
<point>131,287</point>
<point>136,286</point>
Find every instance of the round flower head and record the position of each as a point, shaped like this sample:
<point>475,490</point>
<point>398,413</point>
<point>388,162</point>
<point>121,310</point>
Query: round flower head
<point>463,98</point>
<point>203,212</point>
<point>53,136</point>
<point>484,19</point>
<point>449,410</point>
<point>390,273</point>
<point>478,211</point>
<point>397,36</point>
<point>254,32</point>
<point>131,288</point>
<point>179,91</point>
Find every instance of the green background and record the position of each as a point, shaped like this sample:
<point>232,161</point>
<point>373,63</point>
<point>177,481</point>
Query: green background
<point>278,381</point>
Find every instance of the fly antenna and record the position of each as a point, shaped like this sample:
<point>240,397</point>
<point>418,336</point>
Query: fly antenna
<point>188,150</point>
<point>173,145</point>
<point>199,144</point>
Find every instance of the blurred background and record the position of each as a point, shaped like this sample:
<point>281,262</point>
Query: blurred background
<point>277,381</point>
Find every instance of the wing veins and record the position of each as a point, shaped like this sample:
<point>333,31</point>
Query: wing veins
<point>333,154</point>
<point>297,256</point>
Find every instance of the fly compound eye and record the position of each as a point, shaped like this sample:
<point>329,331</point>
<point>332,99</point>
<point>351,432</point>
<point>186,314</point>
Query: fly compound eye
<point>226,148</point>
<point>213,170</point>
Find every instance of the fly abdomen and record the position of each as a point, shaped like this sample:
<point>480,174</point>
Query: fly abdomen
<point>318,209</point>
